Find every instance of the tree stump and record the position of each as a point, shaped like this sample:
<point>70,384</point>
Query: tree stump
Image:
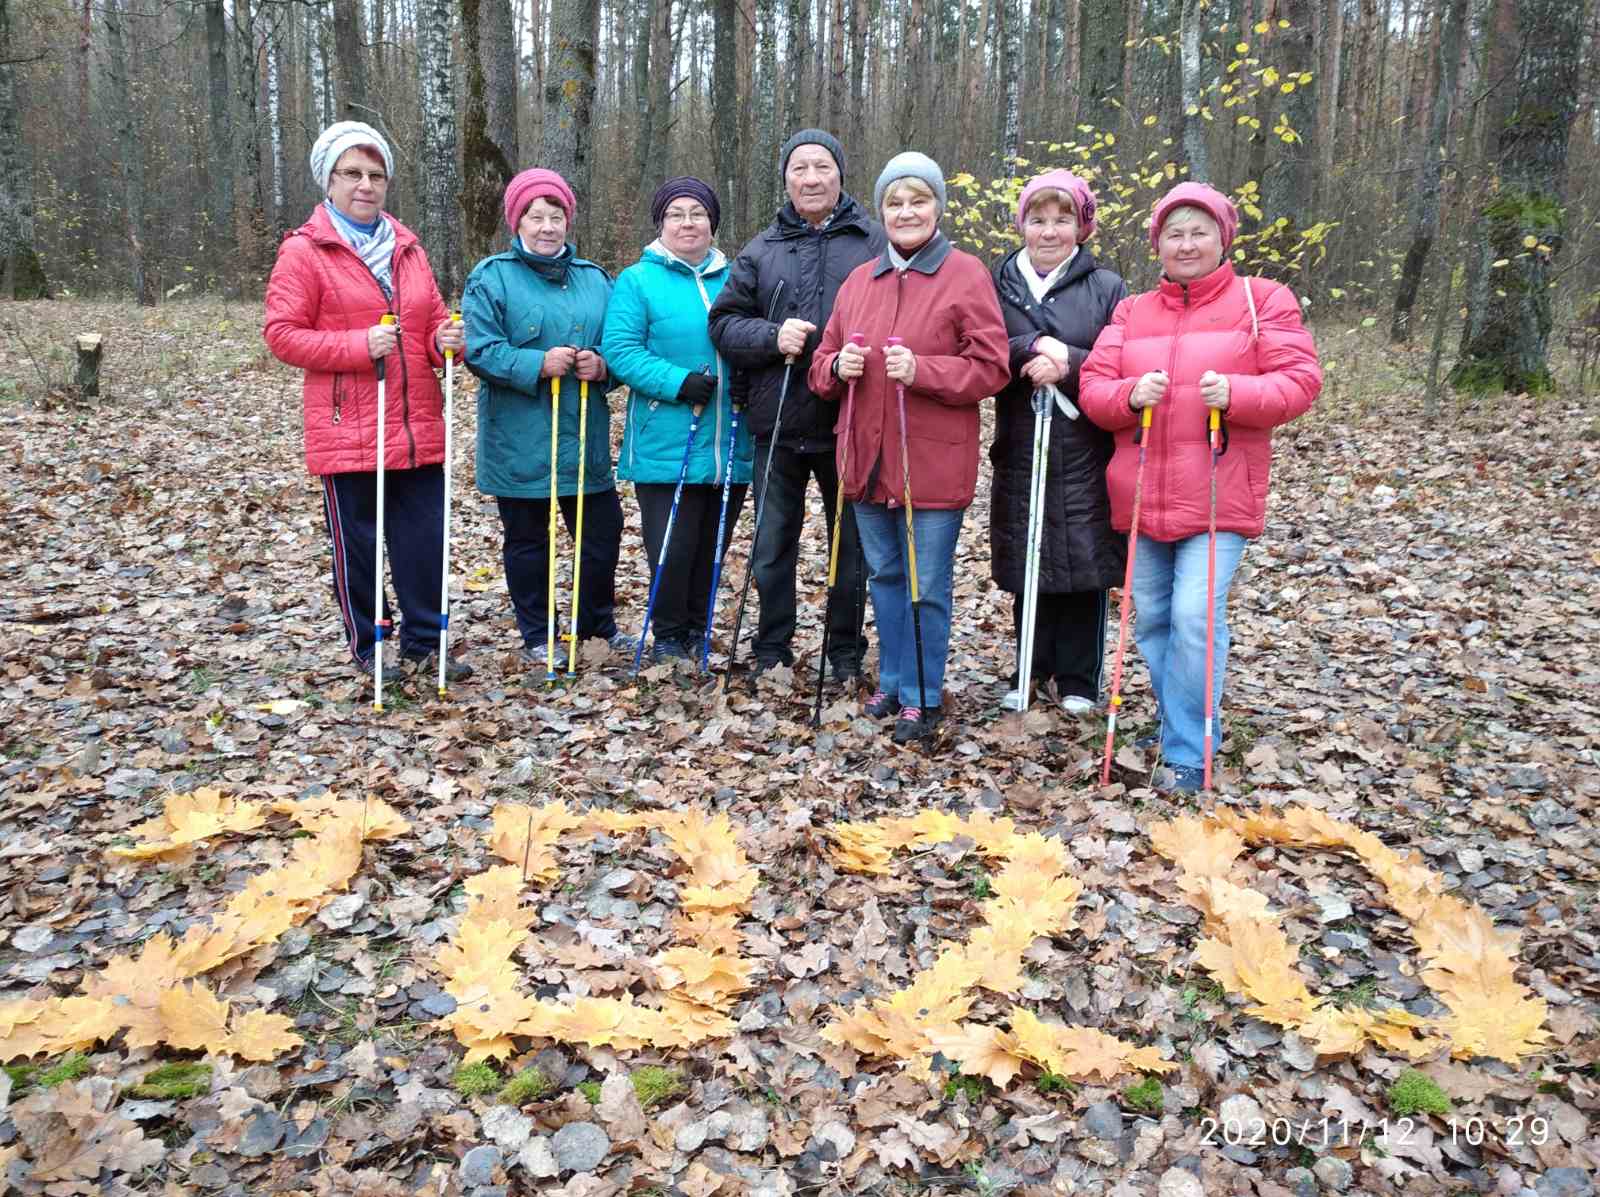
<point>89,365</point>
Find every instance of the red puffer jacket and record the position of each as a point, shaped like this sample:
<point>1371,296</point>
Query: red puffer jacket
<point>321,299</point>
<point>1273,376</point>
<point>944,307</point>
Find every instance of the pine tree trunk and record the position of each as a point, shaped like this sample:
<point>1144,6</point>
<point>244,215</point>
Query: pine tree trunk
<point>21,275</point>
<point>1102,28</point>
<point>726,150</point>
<point>569,93</point>
<point>861,16</point>
<point>118,58</point>
<point>906,123</point>
<point>1425,185</point>
<point>350,65</point>
<point>441,214</point>
<point>1288,194</point>
<point>487,163</point>
<point>1506,343</point>
<point>766,187</point>
<point>1328,95</point>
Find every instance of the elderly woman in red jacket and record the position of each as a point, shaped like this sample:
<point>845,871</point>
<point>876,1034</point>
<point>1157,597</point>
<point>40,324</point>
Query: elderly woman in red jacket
<point>1204,340</point>
<point>931,331</point>
<point>336,276</point>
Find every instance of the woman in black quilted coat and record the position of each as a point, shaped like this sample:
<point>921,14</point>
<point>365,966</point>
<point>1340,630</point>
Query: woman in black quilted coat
<point>1056,299</point>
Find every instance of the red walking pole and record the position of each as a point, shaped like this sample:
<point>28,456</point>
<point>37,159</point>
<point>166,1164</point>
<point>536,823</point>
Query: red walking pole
<point>1141,437</point>
<point>1213,427</point>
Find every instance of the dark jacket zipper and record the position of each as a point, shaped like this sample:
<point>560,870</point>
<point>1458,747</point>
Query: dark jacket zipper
<point>405,373</point>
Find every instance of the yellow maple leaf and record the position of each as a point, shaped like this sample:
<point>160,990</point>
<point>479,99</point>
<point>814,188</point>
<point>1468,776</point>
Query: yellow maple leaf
<point>981,1051</point>
<point>258,1035</point>
<point>731,895</point>
<point>193,1018</point>
<point>713,930</point>
<point>187,819</point>
<point>1037,853</point>
<point>710,978</point>
<point>1199,846</point>
<point>374,818</point>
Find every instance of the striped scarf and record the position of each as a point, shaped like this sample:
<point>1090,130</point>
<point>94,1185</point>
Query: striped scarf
<point>373,246</point>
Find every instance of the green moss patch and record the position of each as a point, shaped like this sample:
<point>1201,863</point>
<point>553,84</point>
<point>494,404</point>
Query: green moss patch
<point>476,1080</point>
<point>1146,1097</point>
<point>172,1082</point>
<point>528,1085</point>
<point>656,1085</point>
<point>1415,1093</point>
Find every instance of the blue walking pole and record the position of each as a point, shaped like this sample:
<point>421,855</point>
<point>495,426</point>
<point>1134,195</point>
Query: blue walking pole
<point>722,527</point>
<point>666,539</point>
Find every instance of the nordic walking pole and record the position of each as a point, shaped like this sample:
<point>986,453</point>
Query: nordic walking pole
<point>911,538</point>
<point>833,551</point>
<point>444,573</point>
<point>1214,434</point>
<point>666,539</point>
<point>577,532</point>
<point>1043,402</point>
<point>551,617</point>
<point>761,514</point>
<point>378,621</point>
<point>722,527</point>
<point>1142,437</point>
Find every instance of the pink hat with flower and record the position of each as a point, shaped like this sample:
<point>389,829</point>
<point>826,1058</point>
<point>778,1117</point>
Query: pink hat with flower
<point>1069,184</point>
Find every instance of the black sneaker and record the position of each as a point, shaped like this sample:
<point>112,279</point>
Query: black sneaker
<point>668,650</point>
<point>765,665</point>
<point>881,705</point>
<point>915,724</point>
<point>845,674</point>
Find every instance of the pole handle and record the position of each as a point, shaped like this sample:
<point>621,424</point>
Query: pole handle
<point>455,318</point>
<point>893,341</point>
<point>378,366</point>
<point>857,338</point>
<point>386,318</point>
<point>1144,424</point>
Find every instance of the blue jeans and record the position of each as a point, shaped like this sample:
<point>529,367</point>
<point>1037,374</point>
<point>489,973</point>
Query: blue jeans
<point>1169,602</point>
<point>883,541</point>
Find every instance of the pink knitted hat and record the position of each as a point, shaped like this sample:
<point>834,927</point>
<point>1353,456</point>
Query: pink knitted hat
<point>1068,183</point>
<point>536,183</point>
<point>1196,195</point>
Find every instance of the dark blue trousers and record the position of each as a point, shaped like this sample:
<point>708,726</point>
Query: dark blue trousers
<point>413,551</point>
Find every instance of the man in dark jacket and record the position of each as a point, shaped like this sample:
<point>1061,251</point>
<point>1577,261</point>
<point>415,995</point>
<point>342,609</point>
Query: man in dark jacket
<point>778,297</point>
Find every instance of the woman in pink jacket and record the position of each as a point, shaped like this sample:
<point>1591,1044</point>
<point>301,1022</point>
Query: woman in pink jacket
<point>336,276</point>
<point>1205,339</point>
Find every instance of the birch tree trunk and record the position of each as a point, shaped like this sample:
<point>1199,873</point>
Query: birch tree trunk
<point>274,53</point>
<point>1194,127</point>
<point>1328,95</point>
<point>1425,186</point>
<point>1008,36</point>
<point>441,215</point>
<point>21,276</point>
<point>569,92</point>
<point>1506,341</point>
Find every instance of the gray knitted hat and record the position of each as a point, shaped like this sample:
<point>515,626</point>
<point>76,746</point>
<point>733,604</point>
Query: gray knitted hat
<point>811,137</point>
<point>909,165</point>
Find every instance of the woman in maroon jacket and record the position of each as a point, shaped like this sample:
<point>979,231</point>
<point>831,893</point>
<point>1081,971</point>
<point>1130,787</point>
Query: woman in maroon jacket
<point>336,276</point>
<point>1204,340</point>
<point>949,353</point>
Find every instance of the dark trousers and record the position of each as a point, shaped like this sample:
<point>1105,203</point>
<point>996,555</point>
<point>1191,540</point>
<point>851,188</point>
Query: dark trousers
<point>1068,641</point>
<point>525,550</point>
<point>680,612</point>
<point>779,552</point>
<point>413,535</point>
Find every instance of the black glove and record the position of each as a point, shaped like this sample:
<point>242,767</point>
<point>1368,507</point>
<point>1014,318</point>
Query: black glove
<point>697,390</point>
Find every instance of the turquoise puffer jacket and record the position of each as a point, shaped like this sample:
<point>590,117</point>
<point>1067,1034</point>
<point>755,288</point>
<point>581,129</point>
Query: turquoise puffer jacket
<point>655,337</point>
<point>515,307</point>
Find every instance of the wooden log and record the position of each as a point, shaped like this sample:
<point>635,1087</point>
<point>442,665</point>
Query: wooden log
<point>89,347</point>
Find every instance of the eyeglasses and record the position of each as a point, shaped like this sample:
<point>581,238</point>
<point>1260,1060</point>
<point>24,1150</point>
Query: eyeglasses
<point>677,216</point>
<point>376,177</point>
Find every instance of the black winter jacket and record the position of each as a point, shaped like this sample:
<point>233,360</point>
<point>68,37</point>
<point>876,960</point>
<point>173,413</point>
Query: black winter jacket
<point>789,270</point>
<point>1079,549</point>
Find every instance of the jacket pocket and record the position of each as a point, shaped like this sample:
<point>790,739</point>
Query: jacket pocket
<point>528,327</point>
<point>338,398</point>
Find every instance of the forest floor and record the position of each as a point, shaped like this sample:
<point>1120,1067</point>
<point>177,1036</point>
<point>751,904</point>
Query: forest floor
<point>1416,653</point>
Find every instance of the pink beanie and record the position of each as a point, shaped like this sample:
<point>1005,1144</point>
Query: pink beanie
<point>532,184</point>
<point>1196,195</point>
<point>1068,183</point>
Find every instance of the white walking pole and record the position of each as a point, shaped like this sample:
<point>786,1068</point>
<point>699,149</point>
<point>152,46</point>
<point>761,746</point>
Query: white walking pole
<point>378,621</point>
<point>444,573</point>
<point>1042,405</point>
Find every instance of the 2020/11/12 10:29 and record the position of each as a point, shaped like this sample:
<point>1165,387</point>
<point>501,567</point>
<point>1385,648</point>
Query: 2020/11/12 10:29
<point>1341,1132</point>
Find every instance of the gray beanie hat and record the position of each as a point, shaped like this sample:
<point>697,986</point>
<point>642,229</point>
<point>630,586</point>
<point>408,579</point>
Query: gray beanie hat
<point>811,137</point>
<point>909,165</point>
<point>342,136</point>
